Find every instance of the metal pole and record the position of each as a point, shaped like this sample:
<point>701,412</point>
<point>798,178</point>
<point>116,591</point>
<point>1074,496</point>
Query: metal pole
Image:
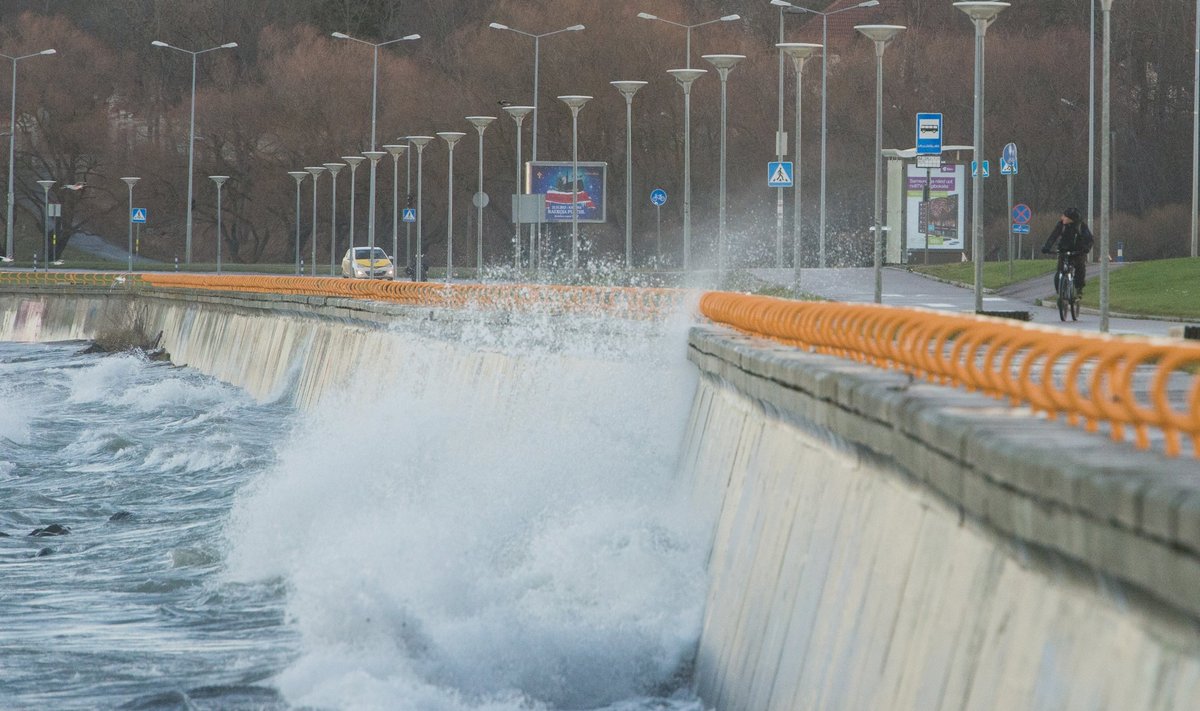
<point>417,270</point>
<point>407,197</point>
<point>374,103</point>
<point>479,215</point>
<point>1092,113</point>
<point>12,133</point>
<point>1010,232</point>
<point>824,74</point>
<point>574,188</point>
<point>977,180</point>
<point>796,191</point>
<point>334,168</point>
<point>537,45</point>
<point>1105,166</point>
<point>780,151</point>
<point>219,228</point>
<point>517,192</point>
<point>1196,142</point>
<point>130,267</point>
<point>629,180</point>
<point>876,251</point>
<point>191,157</point>
<point>313,258</point>
<point>450,216</point>
<point>373,157</point>
<point>395,211</point>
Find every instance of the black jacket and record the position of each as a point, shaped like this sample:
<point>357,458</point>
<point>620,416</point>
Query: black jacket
<point>1071,237</point>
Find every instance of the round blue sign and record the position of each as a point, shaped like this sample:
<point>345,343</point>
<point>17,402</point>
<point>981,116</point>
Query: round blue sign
<point>658,197</point>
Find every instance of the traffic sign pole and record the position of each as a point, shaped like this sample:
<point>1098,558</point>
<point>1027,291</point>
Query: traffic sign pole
<point>1010,232</point>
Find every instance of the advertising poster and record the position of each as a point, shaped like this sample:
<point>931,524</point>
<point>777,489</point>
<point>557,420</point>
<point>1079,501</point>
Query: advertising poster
<point>553,179</point>
<point>943,217</point>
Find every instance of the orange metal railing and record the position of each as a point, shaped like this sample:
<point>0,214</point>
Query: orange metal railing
<point>628,302</point>
<point>63,278</point>
<point>1087,379</point>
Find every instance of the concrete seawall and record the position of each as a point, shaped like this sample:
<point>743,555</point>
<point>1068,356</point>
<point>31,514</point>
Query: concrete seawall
<point>880,544</point>
<point>884,544</point>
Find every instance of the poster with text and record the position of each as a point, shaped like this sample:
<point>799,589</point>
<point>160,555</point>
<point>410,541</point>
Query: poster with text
<point>553,178</point>
<point>943,217</point>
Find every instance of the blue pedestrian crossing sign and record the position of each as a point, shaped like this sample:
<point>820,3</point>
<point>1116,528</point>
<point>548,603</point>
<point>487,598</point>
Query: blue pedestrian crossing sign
<point>409,215</point>
<point>1008,160</point>
<point>987,169</point>
<point>138,215</point>
<point>779,174</point>
<point>658,197</point>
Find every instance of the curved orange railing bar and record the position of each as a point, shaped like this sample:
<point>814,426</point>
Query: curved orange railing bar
<point>1084,378</point>
<point>628,302</point>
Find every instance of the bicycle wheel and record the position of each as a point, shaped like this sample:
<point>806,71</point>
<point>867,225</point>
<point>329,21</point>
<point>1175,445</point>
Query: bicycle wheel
<point>1062,298</point>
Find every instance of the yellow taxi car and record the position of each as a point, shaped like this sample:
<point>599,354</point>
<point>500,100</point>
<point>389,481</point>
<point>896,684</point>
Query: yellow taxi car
<point>364,267</point>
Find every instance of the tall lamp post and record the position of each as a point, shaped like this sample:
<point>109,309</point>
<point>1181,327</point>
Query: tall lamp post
<point>219,180</point>
<point>419,266</point>
<point>518,114</point>
<point>1195,140</point>
<point>192,133</point>
<point>130,182</point>
<point>881,35</point>
<point>982,14</point>
<point>800,53</point>
<point>575,103</point>
<point>353,162</point>
<point>537,44</point>
<point>374,72</point>
<point>334,169</point>
<point>628,89</point>
<point>1106,161</point>
<point>688,56</point>
<point>46,185</point>
<point>783,4</point>
<point>451,138</point>
<point>724,64</point>
<point>396,150</point>
<point>298,176</point>
<point>685,78</point>
<point>315,171</point>
<point>480,123</point>
<point>12,133</point>
<point>373,157</point>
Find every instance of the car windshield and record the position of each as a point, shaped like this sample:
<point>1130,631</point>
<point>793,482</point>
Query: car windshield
<point>365,253</point>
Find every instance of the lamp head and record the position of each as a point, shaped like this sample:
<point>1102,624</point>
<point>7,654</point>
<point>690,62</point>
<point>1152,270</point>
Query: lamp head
<point>451,137</point>
<point>48,51</point>
<point>218,179</point>
<point>420,141</point>
<point>159,43</point>
<point>575,28</point>
<point>647,16</point>
<point>518,112</point>
<point>396,149</point>
<point>799,51</point>
<point>685,77</point>
<point>498,26</point>
<point>984,11</point>
<point>868,3</point>
<point>128,181</point>
<point>298,176</point>
<point>724,62</point>
<point>333,168</point>
<point>353,161</point>
<point>48,183</point>
<point>781,3</point>
<point>628,88</point>
<point>229,45</point>
<point>339,35</point>
<point>479,122</point>
<point>731,18</point>
<point>411,37</point>
<point>880,33</point>
<point>315,170</point>
<point>574,101</point>
<point>374,156</point>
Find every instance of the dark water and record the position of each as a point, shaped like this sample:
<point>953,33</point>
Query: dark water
<point>230,554</point>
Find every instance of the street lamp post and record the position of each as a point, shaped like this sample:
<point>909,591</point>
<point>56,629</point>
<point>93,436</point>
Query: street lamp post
<point>130,182</point>
<point>628,89</point>
<point>724,64</point>
<point>12,133</point>
<point>800,53</point>
<point>219,180</point>
<point>420,142</point>
<point>353,162</point>
<point>1195,141</point>
<point>298,176</point>
<point>688,55</point>
<point>824,98</point>
<point>982,14</point>
<point>575,103</point>
<point>192,134</point>
<point>451,138</point>
<point>334,169</point>
<point>46,185</point>
<point>1105,161</point>
<point>880,35</point>
<point>374,72</point>
<point>480,123</point>
<point>315,171</point>
<point>397,150</point>
<point>537,40</point>
<point>373,157</point>
<point>518,114</point>
<point>685,77</point>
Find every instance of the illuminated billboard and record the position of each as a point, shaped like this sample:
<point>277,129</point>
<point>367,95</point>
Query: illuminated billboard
<point>553,179</point>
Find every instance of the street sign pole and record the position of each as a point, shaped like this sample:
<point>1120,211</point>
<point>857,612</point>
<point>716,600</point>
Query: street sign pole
<point>1010,224</point>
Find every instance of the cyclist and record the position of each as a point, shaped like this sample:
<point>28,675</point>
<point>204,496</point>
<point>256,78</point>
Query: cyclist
<point>1072,235</point>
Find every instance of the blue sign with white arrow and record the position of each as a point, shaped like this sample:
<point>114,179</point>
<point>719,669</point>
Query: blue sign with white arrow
<point>779,174</point>
<point>987,169</point>
<point>1008,160</point>
<point>658,197</point>
<point>408,215</point>
<point>138,215</point>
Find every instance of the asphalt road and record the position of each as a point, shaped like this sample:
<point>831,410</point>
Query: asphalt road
<point>904,288</point>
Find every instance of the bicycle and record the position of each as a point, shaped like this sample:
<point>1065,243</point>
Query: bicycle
<point>1068,295</point>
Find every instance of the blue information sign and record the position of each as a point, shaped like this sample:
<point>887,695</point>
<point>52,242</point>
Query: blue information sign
<point>138,215</point>
<point>929,134</point>
<point>779,174</point>
<point>658,197</point>
<point>409,215</point>
<point>1020,229</point>
<point>1008,160</point>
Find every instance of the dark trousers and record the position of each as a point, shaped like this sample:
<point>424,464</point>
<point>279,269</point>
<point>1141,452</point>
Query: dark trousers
<point>1079,262</point>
